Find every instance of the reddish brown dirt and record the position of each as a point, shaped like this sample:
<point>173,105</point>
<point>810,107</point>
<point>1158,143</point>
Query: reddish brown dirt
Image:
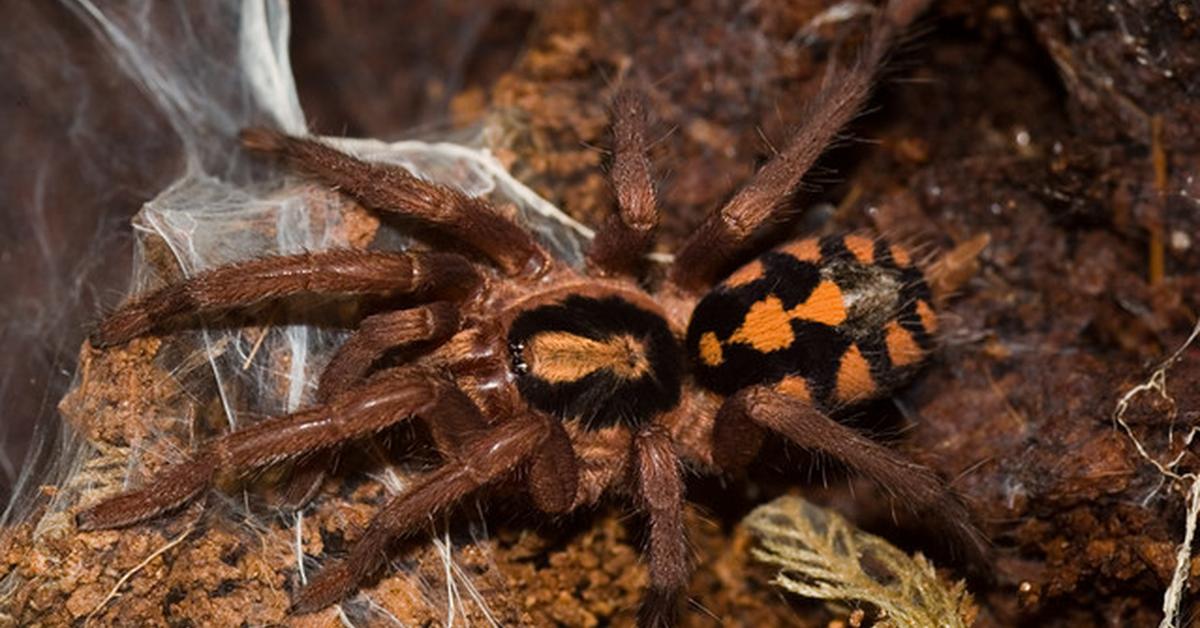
<point>1066,131</point>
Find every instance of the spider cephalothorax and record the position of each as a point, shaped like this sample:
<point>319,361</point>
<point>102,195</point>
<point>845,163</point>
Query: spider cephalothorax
<point>578,382</point>
<point>600,361</point>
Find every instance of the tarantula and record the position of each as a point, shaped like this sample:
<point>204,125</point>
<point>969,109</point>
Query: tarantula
<point>579,382</point>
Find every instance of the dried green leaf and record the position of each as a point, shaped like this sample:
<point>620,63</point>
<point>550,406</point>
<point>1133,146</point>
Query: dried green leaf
<point>823,556</point>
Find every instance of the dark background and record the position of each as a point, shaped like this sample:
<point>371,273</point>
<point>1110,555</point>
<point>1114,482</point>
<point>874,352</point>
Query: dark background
<point>1067,130</point>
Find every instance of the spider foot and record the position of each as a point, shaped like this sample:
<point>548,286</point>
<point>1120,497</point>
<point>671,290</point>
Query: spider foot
<point>122,326</point>
<point>173,488</point>
<point>658,608</point>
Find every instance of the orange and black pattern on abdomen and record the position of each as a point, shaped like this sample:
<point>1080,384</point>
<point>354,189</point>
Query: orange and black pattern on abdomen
<point>836,321</point>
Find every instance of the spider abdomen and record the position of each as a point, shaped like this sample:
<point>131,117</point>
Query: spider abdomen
<point>834,320</point>
<point>601,361</point>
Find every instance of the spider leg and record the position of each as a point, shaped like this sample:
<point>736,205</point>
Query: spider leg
<point>721,236</point>
<point>375,336</point>
<point>385,399</point>
<point>554,471</point>
<point>487,457</point>
<point>391,188</point>
<point>660,487</point>
<point>915,486</point>
<point>736,438</point>
<point>380,333</point>
<point>341,271</point>
<point>625,237</point>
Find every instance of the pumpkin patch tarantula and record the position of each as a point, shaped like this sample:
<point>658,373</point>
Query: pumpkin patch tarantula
<point>579,382</point>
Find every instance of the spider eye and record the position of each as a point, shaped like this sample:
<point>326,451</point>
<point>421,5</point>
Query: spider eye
<point>517,351</point>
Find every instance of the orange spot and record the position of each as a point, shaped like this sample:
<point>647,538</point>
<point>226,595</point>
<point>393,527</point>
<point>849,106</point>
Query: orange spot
<point>928,318</point>
<point>746,274</point>
<point>767,327</point>
<point>901,346</point>
<point>900,255</point>
<point>824,305</point>
<point>862,247</point>
<point>854,381</point>
<point>562,357</point>
<point>806,250</point>
<point>710,349</point>
<point>794,386</point>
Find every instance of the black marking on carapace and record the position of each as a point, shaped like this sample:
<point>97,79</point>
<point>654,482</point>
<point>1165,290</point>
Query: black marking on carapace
<point>602,398</point>
<point>875,294</point>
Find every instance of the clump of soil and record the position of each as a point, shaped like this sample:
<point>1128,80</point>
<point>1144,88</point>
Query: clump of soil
<point>1067,133</point>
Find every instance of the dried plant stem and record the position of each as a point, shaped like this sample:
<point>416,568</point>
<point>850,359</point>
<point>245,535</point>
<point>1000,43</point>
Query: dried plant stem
<point>1173,597</point>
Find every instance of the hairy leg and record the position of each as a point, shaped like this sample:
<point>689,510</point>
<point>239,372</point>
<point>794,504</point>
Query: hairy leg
<point>726,231</point>
<point>391,188</point>
<point>384,400</point>
<point>660,487</point>
<point>491,455</point>
<point>736,438</point>
<point>329,272</point>
<point>375,336</point>
<point>378,334</point>
<point>554,471</point>
<point>916,487</point>
<point>624,238</point>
